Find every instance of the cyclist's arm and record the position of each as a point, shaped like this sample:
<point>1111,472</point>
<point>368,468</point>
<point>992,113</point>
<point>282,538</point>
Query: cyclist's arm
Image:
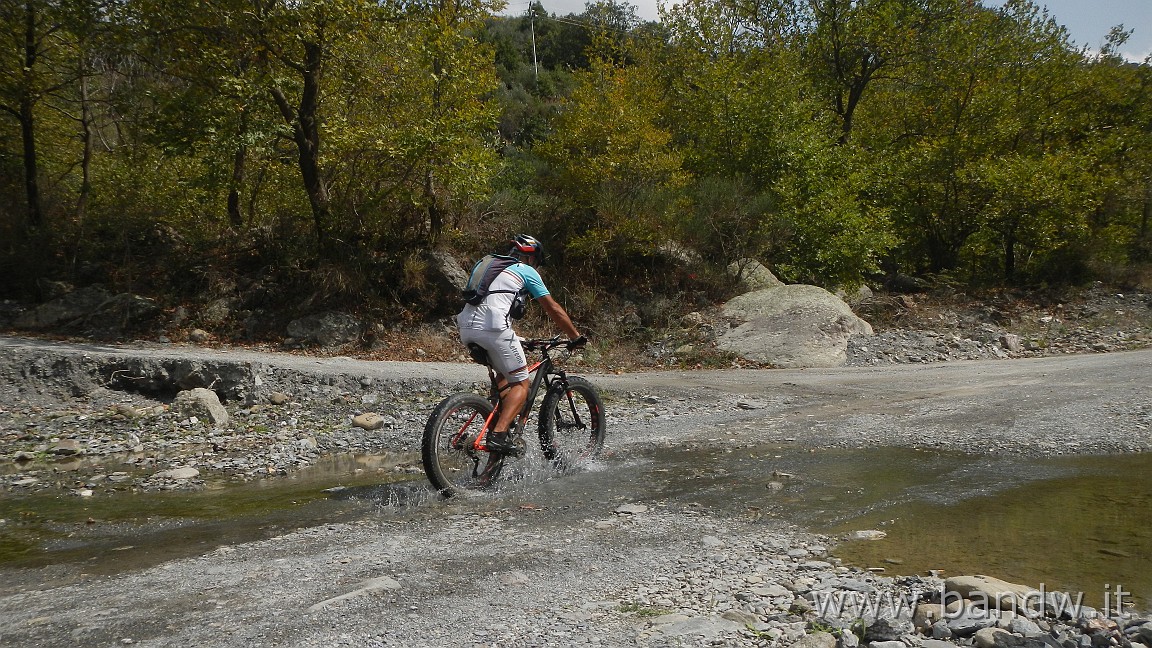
<point>558,315</point>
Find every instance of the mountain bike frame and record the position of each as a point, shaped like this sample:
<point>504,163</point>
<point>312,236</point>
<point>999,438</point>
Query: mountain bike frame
<point>545,372</point>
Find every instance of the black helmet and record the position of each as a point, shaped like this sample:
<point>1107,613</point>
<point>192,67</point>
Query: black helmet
<point>529,247</point>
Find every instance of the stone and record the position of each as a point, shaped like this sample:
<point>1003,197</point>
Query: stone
<point>987,637</point>
<point>123,311</point>
<point>177,473</point>
<point>631,509</point>
<point>888,629</point>
<point>753,275</point>
<point>990,592</point>
<point>970,621</point>
<point>816,640</point>
<point>447,271</point>
<point>793,326</point>
<point>326,329</point>
<point>368,421</point>
<point>514,578</point>
<point>202,403</point>
<point>926,615</point>
<point>199,336</point>
<point>278,398</point>
<point>366,587</point>
<point>936,643</point>
<point>66,447</point>
<point>1011,342</point>
<point>1022,626</point>
<point>771,590</point>
<point>64,309</point>
<point>705,627</point>
<point>869,534</point>
<point>746,619</point>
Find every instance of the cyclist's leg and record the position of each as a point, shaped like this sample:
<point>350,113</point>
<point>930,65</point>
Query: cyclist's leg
<point>506,355</point>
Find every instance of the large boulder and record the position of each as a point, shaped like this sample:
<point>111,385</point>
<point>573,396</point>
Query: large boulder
<point>203,404</point>
<point>64,309</point>
<point>448,274</point>
<point>753,275</point>
<point>793,326</point>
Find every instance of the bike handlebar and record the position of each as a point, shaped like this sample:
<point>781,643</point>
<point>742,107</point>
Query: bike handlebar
<point>546,345</point>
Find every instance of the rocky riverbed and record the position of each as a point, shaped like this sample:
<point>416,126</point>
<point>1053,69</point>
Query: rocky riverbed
<point>564,564</point>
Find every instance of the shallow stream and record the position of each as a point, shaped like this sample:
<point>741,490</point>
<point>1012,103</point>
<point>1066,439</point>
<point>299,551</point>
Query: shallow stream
<point>1076,524</point>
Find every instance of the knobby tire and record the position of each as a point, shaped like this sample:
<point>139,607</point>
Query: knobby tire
<point>458,418</point>
<point>572,423</point>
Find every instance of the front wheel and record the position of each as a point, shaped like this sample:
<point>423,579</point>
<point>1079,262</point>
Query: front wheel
<point>452,463</point>
<point>572,423</point>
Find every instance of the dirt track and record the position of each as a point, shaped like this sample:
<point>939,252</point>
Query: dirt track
<point>554,564</point>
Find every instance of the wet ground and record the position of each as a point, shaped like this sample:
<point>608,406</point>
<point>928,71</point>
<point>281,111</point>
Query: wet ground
<point>1070,523</point>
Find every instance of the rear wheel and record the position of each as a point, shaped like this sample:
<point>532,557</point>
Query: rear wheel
<point>572,423</point>
<point>451,462</point>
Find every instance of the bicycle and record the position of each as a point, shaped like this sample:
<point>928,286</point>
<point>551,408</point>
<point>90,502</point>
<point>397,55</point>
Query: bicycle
<point>571,425</point>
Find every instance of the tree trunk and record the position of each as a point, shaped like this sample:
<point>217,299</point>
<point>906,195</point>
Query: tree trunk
<point>1010,256</point>
<point>235,217</point>
<point>86,154</point>
<point>305,123</point>
<point>27,120</point>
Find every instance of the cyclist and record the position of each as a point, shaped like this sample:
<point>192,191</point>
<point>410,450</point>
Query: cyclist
<point>489,325</point>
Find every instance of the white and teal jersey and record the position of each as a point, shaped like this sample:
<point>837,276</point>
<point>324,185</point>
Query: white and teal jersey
<point>492,313</point>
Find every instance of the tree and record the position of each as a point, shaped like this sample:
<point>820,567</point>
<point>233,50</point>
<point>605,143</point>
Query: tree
<point>613,165</point>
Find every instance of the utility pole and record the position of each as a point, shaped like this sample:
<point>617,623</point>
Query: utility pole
<point>532,25</point>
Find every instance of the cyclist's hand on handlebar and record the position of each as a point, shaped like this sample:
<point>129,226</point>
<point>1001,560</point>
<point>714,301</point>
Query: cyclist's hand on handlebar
<point>578,343</point>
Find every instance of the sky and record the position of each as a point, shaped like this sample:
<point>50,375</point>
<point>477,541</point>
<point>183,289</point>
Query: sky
<point>1088,21</point>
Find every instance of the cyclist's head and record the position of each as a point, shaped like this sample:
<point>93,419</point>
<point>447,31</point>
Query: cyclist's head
<point>527,249</point>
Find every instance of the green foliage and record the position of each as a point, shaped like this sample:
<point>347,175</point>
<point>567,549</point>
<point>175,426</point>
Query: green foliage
<point>612,167</point>
<point>324,145</point>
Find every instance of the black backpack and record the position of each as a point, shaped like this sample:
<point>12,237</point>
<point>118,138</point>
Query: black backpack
<point>483,275</point>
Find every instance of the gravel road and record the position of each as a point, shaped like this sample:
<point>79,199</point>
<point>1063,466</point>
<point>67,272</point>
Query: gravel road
<point>564,564</point>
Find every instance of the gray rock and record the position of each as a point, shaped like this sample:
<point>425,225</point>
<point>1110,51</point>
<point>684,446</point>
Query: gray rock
<point>888,629</point>
<point>792,326</point>
<point>753,275</point>
<point>969,622</point>
<point>202,403</point>
<point>67,447</point>
<point>64,309</point>
<point>936,643</point>
<point>177,473</point>
<point>447,271</point>
<point>990,637</point>
<point>122,311</point>
<point>368,421</point>
<point>706,627</point>
<point>771,590</point>
<point>366,587</point>
<point>326,329</point>
<point>1022,626</point>
<point>887,644</point>
<point>1011,342</point>
<point>816,640</point>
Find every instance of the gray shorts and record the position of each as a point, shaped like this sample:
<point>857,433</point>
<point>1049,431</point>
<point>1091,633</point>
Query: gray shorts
<point>504,351</point>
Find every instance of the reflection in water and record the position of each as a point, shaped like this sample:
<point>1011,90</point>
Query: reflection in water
<point>1083,533</point>
<point>112,533</point>
<point>1071,523</point>
<point>1075,524</point>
